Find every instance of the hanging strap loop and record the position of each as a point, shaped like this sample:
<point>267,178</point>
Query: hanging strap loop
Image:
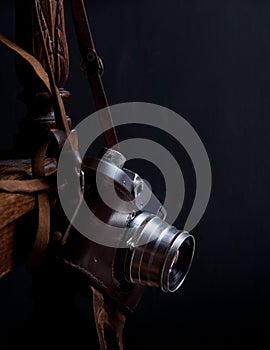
<point>33,62</point>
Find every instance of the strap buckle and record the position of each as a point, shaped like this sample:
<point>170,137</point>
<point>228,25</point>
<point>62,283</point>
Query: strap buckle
<point>92,63</point>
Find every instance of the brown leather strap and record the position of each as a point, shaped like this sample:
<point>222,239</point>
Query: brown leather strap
<point>41,186</point>
<point>34,63</point>
<point>48,80</point>
<point>110,323</point>
<point>43,207</point>
<point>109,320</point>
<point>25,186</point>
<point>94,68</point>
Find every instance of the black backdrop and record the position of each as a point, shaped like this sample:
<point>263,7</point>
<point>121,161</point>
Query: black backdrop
<point>210,62</point>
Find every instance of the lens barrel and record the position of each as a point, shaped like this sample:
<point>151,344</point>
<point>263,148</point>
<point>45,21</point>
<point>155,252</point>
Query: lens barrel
<point>160,254</point>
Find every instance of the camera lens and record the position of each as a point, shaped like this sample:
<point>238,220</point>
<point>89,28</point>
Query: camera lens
<point>176,273</point>
<point>160,254</point>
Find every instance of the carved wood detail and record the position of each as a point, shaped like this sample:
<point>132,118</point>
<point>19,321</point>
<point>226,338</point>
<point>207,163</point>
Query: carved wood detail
<point>51,14</point>
<point>40,114</point>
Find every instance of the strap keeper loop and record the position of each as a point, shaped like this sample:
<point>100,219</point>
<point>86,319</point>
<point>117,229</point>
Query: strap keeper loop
<point>93,63</point>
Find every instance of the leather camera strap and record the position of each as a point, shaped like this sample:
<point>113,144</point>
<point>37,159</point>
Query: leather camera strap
<point>25,186</point>
<point>43,208</point>
<point>33,62</point>
<point>109,319</point>
<point>94,68</point>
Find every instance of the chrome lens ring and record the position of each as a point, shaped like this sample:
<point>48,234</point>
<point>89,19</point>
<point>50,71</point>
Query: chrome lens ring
<point>161,255</point>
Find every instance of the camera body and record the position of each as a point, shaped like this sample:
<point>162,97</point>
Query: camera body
<point>127,245</point>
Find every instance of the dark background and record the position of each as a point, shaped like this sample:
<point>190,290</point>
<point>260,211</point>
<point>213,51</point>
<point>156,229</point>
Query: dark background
<point>208,60</point>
